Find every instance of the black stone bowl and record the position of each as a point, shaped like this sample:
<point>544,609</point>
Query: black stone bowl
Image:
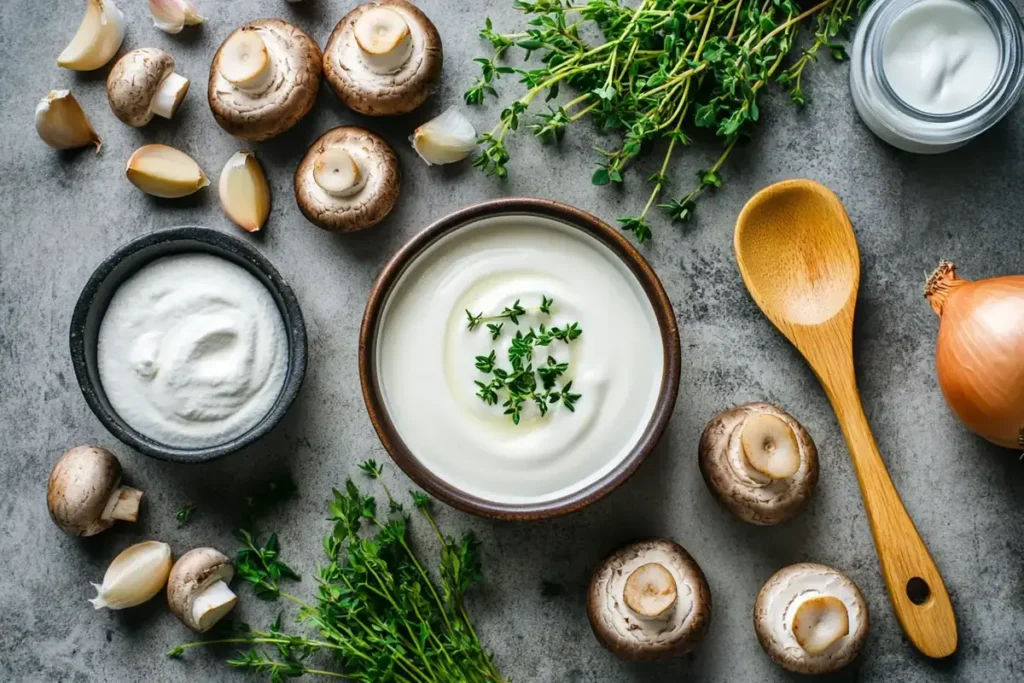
<point>125,262</point>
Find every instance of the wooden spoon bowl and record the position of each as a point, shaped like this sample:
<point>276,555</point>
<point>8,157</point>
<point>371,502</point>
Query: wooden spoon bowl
<point>798,256</point>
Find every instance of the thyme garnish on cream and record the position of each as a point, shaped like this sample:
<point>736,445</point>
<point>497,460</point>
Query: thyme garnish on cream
<point>518,382</point>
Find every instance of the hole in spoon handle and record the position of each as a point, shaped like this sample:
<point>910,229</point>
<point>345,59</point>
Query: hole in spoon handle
<point>918,590</point>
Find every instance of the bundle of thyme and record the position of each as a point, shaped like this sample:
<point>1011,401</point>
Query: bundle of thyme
<point>666,67</point>
<point>377,609</point>
<point>518,383</point>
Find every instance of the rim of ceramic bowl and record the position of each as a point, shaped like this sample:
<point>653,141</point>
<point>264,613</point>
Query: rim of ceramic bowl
<point>388,432</point>
<point>95,297</point>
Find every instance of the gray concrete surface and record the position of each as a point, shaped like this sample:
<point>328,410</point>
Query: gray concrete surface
<point>62,213</point>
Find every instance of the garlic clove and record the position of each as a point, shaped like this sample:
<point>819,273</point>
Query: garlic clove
<point>62,124</point>
<point>212,604</point>
<point>384,39</point>
<point>163,171</point>
<point>446,139</point>
<point>245,62</point>
<point>135,576</point>
<point>337,173</point>
<point>244,192</point>
<point>650,590</point>
<point>171,16</point>
<point>770,447</point>
<point>819,622</point>
<point>98,38</point>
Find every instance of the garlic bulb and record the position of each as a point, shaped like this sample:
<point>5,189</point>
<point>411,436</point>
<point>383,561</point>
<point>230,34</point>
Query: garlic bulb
<point>244,192</point>
<point>98,38</point>
<point>171,16</point>
<point>62,124</point>
<point>446,139</point>
<point>135,576</point>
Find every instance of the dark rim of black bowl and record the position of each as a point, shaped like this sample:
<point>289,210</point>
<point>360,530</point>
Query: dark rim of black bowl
<point>92,305</point>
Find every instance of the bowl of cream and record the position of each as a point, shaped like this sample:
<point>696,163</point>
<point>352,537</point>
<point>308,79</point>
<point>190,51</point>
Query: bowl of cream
<point>188,344</point>
<point>519,359</point>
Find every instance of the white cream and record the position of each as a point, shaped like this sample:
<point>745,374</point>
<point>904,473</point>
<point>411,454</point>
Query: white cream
<point>192,351</point>
<point>940,56</point>
<point>425,359</point>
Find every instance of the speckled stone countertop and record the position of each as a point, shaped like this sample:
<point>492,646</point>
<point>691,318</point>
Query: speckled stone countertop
<point>62,214</point>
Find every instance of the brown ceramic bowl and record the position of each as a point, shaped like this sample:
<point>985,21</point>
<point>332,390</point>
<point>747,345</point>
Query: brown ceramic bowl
<point>386,429</point>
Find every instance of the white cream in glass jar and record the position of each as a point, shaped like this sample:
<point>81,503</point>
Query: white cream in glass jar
<point>928,76</point>
<point>426,370</point>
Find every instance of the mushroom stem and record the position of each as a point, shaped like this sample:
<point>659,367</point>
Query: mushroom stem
<point>212,604</point>
<point>337,173</point>
<point>169,95</point>
<point>769,448</point>
<point>123,504</point>
<point>384,39</point>
<point>245,61</point>
<point>650,591</point>
<point>819,622</point>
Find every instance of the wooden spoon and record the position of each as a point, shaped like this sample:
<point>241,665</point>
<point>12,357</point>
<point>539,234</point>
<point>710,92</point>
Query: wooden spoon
<point>798,256</point>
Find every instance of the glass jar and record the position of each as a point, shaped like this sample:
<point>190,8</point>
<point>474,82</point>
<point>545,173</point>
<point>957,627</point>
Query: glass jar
<point>913,130</point>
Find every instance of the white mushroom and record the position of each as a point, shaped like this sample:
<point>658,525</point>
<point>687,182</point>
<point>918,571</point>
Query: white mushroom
<point>383,58</point>
<point>759,462</point>
<point>348,180</point>
<point>143,83</point>
<point>85,495</point>
<point>811,619</point>
<point>265,77</point>
<point>197,590</point>
<point>648,601</point>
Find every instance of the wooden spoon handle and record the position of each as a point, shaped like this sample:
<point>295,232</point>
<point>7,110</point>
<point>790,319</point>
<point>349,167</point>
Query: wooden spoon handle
<point>916,589</point>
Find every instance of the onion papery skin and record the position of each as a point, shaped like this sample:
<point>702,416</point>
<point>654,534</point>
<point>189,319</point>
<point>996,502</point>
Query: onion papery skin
<point>980,352</point>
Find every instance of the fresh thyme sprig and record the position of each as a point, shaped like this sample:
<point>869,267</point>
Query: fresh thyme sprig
<point>665,68</point>
<point>518,383</point>
<point>184,514</point>
<point>377,610</point>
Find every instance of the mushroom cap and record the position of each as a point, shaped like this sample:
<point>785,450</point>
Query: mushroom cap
<point>780,596</point>
<point>367,207</point>
<point>629,636</point>
<point>298,67</point>
<point>721,463</point>
<point>79,490</point>
<point>195,571</point>
<point>134,82</point>
<point>376,94</point>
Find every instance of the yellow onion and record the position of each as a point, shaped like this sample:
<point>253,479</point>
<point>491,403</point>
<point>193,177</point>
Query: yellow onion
<point>980,351</point>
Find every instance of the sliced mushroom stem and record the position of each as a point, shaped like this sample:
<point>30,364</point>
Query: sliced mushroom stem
<point>650,591</point>
<point>212,604</point>
<point>384,39</point>
<point>770,447</point>
<point>337,173</point>
<point>819,622</point>
<point>123,504</point>
<point>169,95</point>
<point>245,61</point>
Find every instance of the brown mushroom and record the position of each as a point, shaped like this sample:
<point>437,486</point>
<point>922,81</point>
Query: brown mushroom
<point>84,492</point>
<point>383,58</point>
<point>811,619</point>
<point>348,180</point>
<point>143,83</point>
<point>197,589</point>
<point>759,462</point>
<point>648,601</point>
<point>264,78</point>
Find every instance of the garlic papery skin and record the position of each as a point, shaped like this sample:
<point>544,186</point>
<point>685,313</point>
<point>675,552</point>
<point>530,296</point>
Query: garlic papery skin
<point>446,139</point>
<point>98,38</point>
<point>171,16</point>
<point>384,39</point>
<point>338,173</point>
<point>244,192</point>
<point>134,577</point>
<point>163,171</point>
<point>62,124</point>
<point>212,604</point>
